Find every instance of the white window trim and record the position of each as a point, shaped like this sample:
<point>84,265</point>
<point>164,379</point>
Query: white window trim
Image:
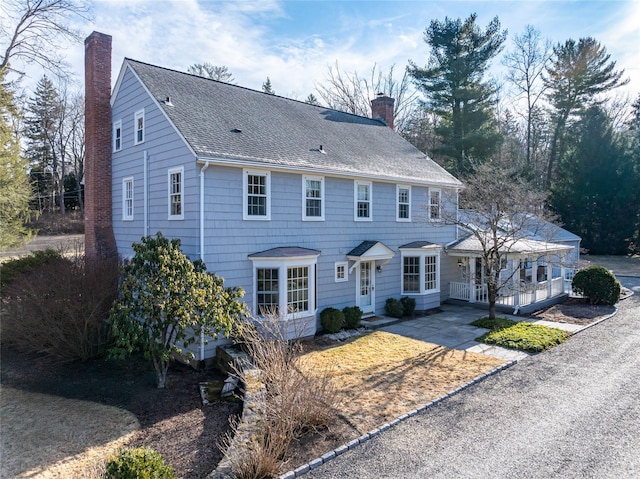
<point>304,198</point>
<point>282,265</point>
<point>345,265</point>
<point>125,215</point>
<point>245,193</point>
<point>139,114</point>
<point>435,190</point>
<point>422,254</point>
<point>398,188</point>
<point>172,171</point>
<point>357,183</point>
<point>117,125</point>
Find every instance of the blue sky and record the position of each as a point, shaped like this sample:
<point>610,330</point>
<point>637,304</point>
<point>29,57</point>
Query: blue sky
<point>293,42</point>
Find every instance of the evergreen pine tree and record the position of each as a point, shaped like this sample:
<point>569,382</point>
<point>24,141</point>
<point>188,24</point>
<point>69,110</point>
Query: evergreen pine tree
<point>455,89</point>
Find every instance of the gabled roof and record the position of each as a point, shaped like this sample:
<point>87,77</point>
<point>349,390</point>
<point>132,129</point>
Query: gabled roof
<point>472,245</point>
<point>527,224</point>
<point>371,250</point>
<point>236,125</point>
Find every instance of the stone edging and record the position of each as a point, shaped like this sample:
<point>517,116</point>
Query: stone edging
<point>315,463</point>
<point>253,408</point>
<point>300,471</point>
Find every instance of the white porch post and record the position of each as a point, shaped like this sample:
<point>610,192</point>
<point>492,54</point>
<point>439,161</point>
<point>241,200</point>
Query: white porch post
<point>549,277</point>
<point>563,272</point>
<point>472,280</point>
<point>515,280</point>
<point>534,277</point>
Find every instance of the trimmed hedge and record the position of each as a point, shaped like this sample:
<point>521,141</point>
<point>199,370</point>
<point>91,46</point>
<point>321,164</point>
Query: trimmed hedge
<point>598,284</point>
<point>331,319</point>
<point>408,305</point>
<point>393,307</point>
<point>352,316</point>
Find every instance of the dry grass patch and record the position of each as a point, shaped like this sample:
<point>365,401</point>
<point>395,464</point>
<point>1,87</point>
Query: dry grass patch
<point>381,376</point>
<point>52,437</point>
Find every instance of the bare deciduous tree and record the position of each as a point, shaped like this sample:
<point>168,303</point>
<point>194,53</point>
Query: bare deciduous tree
<point>499,209</point>
<point>214,72</point>
<point>352,92</point>
<point>526,64</point>
<point>34,31</point>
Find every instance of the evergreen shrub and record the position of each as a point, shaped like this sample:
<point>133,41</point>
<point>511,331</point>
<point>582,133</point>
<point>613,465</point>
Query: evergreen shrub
<point>598,284</point>
<point>331,320</point>
<point>393,307</point>
<point>15,267</point>
<point>409,305</point>
<point>138,463</point>
<point>352,316</point>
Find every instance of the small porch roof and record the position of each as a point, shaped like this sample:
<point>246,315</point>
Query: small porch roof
<point>472,246</point>
<point>370,251</point>
<point>286,252</point>
<point>420,245</point>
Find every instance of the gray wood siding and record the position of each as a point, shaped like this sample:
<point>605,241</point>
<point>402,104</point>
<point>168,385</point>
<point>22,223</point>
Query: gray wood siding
<point>230,239</point>
<point>165,149</point>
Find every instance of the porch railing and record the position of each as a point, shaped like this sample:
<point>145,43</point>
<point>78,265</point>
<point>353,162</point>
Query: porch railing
<point>529,295</point>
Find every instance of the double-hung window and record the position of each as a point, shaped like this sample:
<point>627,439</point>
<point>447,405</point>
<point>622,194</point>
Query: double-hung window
<point>403,204</point>
<point>313,198</point>
<point>362,194</point>
<point>138,125</point>
<point>127,199</point>
<point>420,270</point>
<point>117,135</point>
<point>435,205</point>
<point>285,285</point>
<point>256,195</point>
<point>267,291</point>
<point>176,193</point>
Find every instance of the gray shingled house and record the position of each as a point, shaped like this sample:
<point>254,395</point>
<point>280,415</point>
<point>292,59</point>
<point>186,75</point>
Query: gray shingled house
<point>302,206</point>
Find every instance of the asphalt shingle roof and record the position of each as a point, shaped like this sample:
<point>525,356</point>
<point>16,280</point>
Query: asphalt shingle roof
<point>280,132</point>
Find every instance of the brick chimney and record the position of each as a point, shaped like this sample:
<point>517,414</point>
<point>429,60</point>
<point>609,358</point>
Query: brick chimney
<point>98,230</point>
<point>382,109</point>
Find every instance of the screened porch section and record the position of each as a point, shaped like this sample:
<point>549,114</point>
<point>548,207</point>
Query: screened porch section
<point>529,276</point>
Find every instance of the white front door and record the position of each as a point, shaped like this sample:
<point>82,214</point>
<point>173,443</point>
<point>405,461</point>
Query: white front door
<point>366,286</point>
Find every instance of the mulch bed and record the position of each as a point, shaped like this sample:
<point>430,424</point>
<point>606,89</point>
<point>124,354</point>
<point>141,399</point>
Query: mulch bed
<point>173,421</point>
<point>574,311</point>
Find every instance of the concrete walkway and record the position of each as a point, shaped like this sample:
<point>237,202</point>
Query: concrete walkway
<point>451,328</point>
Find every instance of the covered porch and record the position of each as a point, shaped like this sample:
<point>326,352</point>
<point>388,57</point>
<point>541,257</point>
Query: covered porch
<point>533,274</point>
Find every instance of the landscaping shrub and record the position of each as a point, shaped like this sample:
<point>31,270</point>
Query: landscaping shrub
<point>138,463</point>
<point>598,284</point>
<point>408,305</point>
<point>58,307</point>
<point>393,307</point>
<point>352,317</point>
<point>331,320</point>
<point>297,399</point>
<point>15,267</point>
<point>528,337</point>
<point>494,324</point>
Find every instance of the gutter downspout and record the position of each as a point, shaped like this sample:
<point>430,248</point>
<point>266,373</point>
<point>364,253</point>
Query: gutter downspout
<point>145,172</point>
<point>202,170</point>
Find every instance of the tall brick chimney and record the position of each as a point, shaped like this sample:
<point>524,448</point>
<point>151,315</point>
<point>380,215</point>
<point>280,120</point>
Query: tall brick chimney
<point>98,230</point>
<point>382,109</point>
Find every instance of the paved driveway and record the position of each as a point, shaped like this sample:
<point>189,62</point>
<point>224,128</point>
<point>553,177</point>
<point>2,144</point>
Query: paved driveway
<point>572,412</point>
